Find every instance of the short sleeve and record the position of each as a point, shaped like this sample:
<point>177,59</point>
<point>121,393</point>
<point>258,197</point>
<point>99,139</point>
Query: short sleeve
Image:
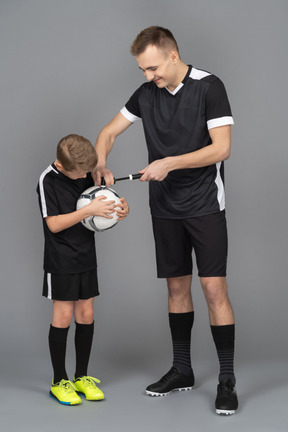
<point>218,110</point>
<point>131,110</point>
<point>47,198</point>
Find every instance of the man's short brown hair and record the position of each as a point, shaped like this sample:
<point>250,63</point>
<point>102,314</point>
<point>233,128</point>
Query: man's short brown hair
<point>75,151</point>
<point>159,36</point>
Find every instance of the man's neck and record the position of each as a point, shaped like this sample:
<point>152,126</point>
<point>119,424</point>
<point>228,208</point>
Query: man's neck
<point>181,73</point>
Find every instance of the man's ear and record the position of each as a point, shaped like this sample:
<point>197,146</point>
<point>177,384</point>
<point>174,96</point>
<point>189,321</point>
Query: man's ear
<point>174,56</point>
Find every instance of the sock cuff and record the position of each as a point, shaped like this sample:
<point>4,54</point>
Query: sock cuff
<point>84,330</point>
<point>181,325</point>
<point>224,335</point>
<point>58,334</point>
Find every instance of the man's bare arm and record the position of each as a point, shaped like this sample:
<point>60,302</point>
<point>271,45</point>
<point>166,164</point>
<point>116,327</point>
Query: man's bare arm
<point>104,145</point>
<point>218,151</point>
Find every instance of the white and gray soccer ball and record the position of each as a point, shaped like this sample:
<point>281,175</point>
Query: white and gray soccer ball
<point>98,223</point>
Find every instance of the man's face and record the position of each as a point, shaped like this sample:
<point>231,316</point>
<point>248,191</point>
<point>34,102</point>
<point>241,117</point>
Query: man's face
<point>158,66</point>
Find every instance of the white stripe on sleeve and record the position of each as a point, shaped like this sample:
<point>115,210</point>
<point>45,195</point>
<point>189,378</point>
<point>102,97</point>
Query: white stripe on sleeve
<point>221,121</point>
<point>131,117</point>
<point>41,188</point>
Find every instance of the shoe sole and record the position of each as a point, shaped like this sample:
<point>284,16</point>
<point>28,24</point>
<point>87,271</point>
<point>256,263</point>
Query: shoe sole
<point>95,400</point>
<point>149,393</point>
<point>225,412</point>
<point>62,402</point>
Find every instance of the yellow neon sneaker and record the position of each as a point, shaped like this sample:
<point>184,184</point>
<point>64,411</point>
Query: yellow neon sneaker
<point>64,392</point>
<point>87,386</point>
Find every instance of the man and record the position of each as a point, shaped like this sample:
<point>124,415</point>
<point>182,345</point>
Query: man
<point>187,119</point>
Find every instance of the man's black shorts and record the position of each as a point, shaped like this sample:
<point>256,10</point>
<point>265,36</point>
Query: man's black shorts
<point>71,287</point>
<point>176,239</point>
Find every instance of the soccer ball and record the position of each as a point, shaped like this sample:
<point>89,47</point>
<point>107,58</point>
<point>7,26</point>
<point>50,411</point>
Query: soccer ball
<point>98,223</point>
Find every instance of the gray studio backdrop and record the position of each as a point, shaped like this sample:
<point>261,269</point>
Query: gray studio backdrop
<point>66,68</point>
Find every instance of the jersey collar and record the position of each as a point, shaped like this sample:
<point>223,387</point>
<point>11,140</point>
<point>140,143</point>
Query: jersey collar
<point>176,90</point>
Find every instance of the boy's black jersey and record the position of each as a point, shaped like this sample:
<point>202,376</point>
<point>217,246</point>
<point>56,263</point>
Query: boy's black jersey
<point>177,123</point>
<point>71,250</point>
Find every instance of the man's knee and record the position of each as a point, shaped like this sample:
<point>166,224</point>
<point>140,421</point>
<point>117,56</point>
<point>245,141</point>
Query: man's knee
<point>215,289</point>
<point>179,287</point>
<point>180,300</point>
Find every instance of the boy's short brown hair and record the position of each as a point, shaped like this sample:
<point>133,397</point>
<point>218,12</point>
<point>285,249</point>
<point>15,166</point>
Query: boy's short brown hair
<point>75,151</point>
<point>154,35</point>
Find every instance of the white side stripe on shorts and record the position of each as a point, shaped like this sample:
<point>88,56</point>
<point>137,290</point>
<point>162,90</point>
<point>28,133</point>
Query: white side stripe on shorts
<point>49,294</point>
<point>220,187</point>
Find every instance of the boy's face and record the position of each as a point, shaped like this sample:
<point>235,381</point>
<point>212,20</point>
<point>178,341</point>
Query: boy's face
<point>74,174</point>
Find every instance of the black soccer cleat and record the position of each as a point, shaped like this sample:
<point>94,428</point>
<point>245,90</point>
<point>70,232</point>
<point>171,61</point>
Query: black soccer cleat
<point>174,380</point>
<point>226,402</point>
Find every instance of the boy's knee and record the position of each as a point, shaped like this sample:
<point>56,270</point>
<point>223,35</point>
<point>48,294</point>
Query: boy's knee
<point>84,315</point>
<point>87,317</point>
<point>62,321</point>
<point>62,314</point>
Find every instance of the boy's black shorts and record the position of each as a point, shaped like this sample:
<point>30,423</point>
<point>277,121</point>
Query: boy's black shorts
<point>176,239</point>
<point>71,287</point>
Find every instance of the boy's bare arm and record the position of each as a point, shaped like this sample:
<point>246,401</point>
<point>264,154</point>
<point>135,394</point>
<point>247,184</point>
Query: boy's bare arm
<point>122,210</point>
<point>97,207</point>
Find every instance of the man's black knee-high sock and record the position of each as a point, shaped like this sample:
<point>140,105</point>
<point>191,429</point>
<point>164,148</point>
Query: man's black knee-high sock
<point>83,343</point>
<point>224,338</point>
<point>57,346</point>
<point>181,326</point>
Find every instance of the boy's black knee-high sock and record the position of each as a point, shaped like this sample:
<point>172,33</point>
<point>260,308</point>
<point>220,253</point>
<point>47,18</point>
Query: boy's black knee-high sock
<point>224,338</point>
<point>57,345</point>
<point>83,343</point>
<point>181,326</point>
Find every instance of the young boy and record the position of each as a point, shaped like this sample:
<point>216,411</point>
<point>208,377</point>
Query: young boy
<point>70,267</point>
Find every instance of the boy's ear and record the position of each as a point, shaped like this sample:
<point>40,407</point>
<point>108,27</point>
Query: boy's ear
<point>58,165</point>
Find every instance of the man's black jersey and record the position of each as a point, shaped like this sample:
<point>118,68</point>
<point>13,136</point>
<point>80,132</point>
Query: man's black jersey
<point>176,123</point>
<point>73,249</point>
